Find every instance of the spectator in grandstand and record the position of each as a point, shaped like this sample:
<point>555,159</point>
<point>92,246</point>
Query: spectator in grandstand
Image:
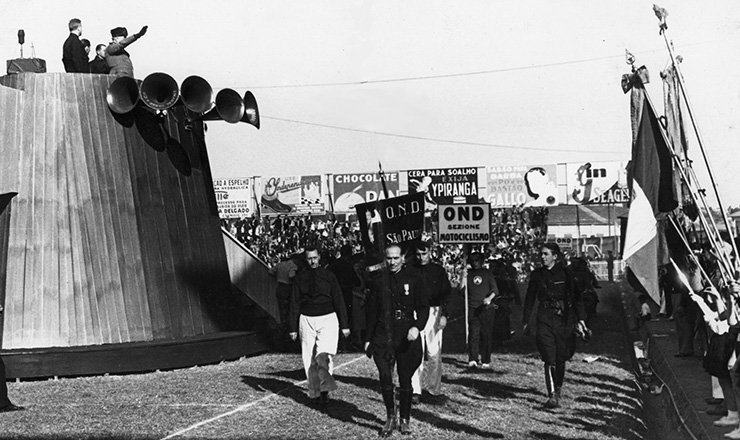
<point>560,315</point>
<point>317,312</point>
<point>428,377</point>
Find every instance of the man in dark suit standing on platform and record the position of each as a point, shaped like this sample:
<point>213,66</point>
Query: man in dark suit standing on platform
<point>73,54</point>
<point>5,404</point>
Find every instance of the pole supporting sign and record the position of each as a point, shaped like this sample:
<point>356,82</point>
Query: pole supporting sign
<point>468,223</point>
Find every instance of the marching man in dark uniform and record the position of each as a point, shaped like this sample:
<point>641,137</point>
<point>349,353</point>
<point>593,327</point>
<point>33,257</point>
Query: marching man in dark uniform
<point>437,284</point>
<point>560,315</point>
<point>397,310</point>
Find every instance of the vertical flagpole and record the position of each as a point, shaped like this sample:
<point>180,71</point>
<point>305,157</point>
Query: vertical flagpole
<point>382,179</point>
<point>465,280</point>
<point>663,27</point>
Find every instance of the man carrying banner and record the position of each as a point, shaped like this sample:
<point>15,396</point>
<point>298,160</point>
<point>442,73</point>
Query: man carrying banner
<point>317,298</point>
<point>428,376</point>
<point>396,311</point>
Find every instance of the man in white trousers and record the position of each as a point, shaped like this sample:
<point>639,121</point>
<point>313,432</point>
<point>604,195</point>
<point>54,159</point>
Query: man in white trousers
<point>317,313</point>
<point>428,376</point>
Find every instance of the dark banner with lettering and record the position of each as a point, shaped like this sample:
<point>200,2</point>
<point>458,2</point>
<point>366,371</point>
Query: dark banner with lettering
<point>445,186</point>
<point>398,220</point>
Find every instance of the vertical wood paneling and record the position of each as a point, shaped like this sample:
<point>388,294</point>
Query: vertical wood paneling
<point>108,242</point>
<point>133,290</point>
<point>87,268</point>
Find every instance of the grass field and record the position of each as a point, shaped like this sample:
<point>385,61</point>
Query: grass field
<point>264,397</point>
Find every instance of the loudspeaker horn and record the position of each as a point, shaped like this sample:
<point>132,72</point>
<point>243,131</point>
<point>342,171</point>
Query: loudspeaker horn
<point>251,112</point>
<point>123,95</point>
<point>197,94</point>
<point>159,91</point>
<point>229,107</point>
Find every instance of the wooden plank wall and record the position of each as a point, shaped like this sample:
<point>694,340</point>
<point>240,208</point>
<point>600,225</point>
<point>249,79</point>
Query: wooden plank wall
<point>111,239</point>
<point>251,276</point>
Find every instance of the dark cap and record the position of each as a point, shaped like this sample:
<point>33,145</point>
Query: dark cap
<point>119,32</point>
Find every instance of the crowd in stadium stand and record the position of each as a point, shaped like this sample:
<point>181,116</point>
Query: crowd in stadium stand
<point>516,235</point>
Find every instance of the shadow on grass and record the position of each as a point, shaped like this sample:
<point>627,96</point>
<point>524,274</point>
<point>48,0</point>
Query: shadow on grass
<point>337,409</point>
<point>441,423</point>
<point>611,423</point>
<point>7,436</point>
<point>491,389</point>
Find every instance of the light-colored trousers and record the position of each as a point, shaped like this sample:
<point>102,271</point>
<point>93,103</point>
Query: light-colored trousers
<point>319,336</point>
<point>429,374</point>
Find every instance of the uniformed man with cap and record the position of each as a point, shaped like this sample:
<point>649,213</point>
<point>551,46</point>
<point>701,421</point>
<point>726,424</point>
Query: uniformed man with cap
<point>116,56</point>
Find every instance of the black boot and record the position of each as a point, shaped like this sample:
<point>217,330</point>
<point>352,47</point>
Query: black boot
<point>404,408</point>
<point>390,407</point>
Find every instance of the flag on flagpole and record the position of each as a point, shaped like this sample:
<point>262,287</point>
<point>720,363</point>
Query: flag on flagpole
<point>651,177</point>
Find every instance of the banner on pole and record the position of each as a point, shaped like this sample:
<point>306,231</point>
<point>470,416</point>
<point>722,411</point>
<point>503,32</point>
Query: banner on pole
<point>465,223</point>
<point>234,197</point>
<point>398,220</point>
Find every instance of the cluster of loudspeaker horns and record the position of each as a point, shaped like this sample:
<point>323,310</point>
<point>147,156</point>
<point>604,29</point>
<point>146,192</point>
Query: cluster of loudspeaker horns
<point>159,91</point>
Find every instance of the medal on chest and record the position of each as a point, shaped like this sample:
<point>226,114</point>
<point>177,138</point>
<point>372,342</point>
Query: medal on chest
<point>406,289</point>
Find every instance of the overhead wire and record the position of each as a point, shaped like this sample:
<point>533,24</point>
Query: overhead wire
<point>424,138</point>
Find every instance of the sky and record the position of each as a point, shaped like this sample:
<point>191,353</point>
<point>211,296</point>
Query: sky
<point>345,84</point>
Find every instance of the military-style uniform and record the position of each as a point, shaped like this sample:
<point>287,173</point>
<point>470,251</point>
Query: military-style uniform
<point>397,303</point>
<point>560,307</point>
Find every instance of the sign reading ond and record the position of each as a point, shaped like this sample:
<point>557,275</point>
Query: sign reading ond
<point>564,242</point>
<point>465,223</point>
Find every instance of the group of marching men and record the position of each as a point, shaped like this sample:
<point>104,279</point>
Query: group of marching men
<point>406,313</point>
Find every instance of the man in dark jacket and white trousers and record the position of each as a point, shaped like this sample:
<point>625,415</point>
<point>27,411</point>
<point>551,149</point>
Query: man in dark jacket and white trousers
<point>317,312</point>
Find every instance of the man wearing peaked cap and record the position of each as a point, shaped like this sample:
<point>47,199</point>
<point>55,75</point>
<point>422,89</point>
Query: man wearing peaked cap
<point>117,58</point>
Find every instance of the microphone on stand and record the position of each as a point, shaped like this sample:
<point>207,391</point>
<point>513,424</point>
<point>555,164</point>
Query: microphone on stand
<point>21,39</point>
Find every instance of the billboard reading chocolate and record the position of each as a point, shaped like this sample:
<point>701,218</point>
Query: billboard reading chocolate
<point>291,195</point>
<point>234,197</point>
<point>522,185</point>
<point>398,220</point>
<point>352,189</point>
<point>445,186</point>
<point>597,183</point>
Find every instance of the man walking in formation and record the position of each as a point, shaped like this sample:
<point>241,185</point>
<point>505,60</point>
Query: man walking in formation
<point>560,313</point>
<point>317,310</point>
<point>397,309</point>
<point>428,377</point>
<point>482,289</point>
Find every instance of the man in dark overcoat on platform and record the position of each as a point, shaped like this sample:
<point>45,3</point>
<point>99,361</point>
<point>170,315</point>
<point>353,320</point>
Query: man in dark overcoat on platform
<point>73,54</point>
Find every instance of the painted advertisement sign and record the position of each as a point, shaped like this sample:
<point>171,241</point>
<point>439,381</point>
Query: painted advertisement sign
<point>527,185</point>
<point>291,195</point>
<point>597,183</point>
<point>234,197</point>
<point>445,186</point>
<point>352,189</point>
